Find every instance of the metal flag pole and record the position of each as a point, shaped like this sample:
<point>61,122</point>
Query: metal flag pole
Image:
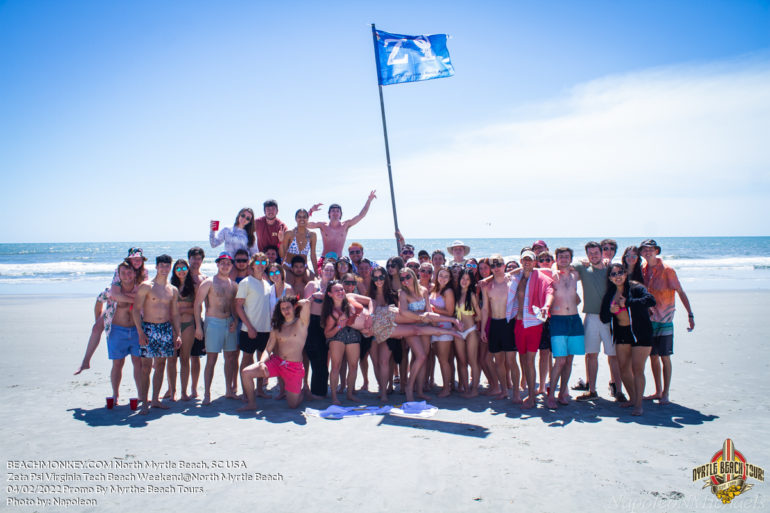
<point>385,132</point>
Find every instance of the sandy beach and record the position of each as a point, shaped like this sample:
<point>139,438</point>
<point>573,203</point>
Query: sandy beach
<point>473,455</point>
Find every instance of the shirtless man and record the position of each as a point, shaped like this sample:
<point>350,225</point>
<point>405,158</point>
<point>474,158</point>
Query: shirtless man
<point>335,231</point>
<point>663,283</point>
<point>252,304</point>
<point>283,355</point>
<point>195,256</point>
<point>500,339</point>
<point>566,328</point>
<point>218,293</point>
<point>298,275</point>
<point>123,339</point>
<point>156,317</point>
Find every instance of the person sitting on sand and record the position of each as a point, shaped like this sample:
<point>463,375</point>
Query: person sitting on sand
<point>334,233</point>
<point>156,317</point>
<point>218,292</point>
<point>123,338</point>
<point>626,303</point>
<point>283,355</point>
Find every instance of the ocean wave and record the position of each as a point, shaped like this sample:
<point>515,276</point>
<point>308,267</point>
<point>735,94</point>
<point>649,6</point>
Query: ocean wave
<point>55,268</point>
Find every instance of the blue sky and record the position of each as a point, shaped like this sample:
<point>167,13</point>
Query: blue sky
<point>143,120</point>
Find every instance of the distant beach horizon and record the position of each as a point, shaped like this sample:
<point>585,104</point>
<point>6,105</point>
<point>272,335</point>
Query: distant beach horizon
<point>77,268</point>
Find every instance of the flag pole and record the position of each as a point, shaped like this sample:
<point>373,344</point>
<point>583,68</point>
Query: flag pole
<point>385,132</point>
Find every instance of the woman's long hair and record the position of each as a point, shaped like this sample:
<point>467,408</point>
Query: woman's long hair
<point>391,298</point>
<point>471,288</point>
<point>635,273</point>
<point>186,289</point>
<point>250,227</point>
<point>328,305</point>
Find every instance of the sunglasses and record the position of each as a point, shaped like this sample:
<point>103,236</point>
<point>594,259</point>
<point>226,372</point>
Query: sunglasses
<point>407,252</point>
<point>619,273</point>
<point>378,278</point>
<point>349,282</point>
<point>471,266</point>
<point>260,262</point>
<point>355,251</point>
<point>413,267</point>
<point>246,216</point>
<point>403,277</point>
<point>545,259</point>
<point>426,271</point>
<point>241,260</point>
<point>180,269</point>
<point>392,266</point>
<point>274,273</point>
<point>495,265</point>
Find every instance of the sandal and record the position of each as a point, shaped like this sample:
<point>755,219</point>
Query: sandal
<point>581,385</point>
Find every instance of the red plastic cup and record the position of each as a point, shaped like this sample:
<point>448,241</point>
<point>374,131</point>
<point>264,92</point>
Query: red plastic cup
<point>134,402</point>
<point>110,403</point>
<point>215,225</point>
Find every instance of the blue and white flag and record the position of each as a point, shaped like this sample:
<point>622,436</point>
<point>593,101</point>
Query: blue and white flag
<point>411,58</point>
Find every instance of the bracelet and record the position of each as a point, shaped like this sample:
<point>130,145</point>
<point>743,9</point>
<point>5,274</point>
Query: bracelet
<point>691,316</point>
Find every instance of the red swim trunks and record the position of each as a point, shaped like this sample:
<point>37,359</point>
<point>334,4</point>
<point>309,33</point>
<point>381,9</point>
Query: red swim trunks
<point>527,339</point>
<point>291,372</point>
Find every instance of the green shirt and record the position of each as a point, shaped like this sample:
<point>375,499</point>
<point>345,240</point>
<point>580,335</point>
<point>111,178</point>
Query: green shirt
<point>594,286</point>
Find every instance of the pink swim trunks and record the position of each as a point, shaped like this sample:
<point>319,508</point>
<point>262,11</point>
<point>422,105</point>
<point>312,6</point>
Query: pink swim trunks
<point>291,372</point>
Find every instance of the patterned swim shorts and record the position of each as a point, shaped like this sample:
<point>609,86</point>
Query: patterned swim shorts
<point>160,340</point>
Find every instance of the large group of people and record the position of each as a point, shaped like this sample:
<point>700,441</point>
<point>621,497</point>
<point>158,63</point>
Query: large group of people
<point>277,310</point>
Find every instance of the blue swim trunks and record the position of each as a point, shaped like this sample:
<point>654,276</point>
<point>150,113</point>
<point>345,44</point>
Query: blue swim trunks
<point>160,340</point>
<point>567,335</point>
<point>122,342</point>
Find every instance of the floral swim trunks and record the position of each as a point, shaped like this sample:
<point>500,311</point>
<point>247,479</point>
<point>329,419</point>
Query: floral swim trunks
<point>160,338</point>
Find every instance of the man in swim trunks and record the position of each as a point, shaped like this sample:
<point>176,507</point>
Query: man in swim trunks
<point>529,300</point>
<point>252,304</point>
<point>283,355</point>
<point>593,277</point>
<point>500,338</point>
<point>335,231</point>
<point>156,317</point>
<point>268,226</point>
<point>662,282</point>
<point>123,339</point>
<point>218,293</point>
<point>566,327</point>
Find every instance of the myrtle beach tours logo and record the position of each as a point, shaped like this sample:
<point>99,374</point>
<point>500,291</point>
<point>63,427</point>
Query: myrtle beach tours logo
<point>727,472</point>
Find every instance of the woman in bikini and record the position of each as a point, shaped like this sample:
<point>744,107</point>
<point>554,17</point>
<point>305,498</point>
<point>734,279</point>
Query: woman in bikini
<point>468,312</point>
<point>626,303</point>
<point>442,301</point>
<point>315,347</point>
<point>341,314</point>
<point>182,280</point>
<point>299,241</point>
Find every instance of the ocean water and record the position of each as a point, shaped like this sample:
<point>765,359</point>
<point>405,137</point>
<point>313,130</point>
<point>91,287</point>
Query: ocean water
<point>702,263</point>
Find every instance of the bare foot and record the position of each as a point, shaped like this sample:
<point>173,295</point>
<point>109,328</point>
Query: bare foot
<point>384,398</point>
<point>206,400</point>
<point>637,411</point>
<point>472,393</point>
<point>184,397</point>
<point>516,398</point>
<point>503,394</point>
<point>145,409</point>
<point>542,391</point>
<point>422,396</point>
<point>158,404</point>
<point>364,388</point>
<point>248,407</point>
<point>529,403</point>
<point>551,403</point>
<point>444,393</point>
<point>352,397</point>
<point>231,395</point>
<point>261,393</point>
<point>651,397</point>
<point>335,400</point>
<point>83,366</point>
<point>664,400</point>
<point>167,395</point>
<point>564,400</point>
<point>194,394</point>
<point>626,404</point>
<point>492,391</point>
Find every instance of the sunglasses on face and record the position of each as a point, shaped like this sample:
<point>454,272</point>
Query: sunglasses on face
<point>413,267</point>
<point>495,265</point>
<point>545,259</point>
<point>403,277</point>
<point>274,273</point>
<point>241,260</point>
<point>260,262</point>
<point>407,252</point>
<point>618,273</point>
<point>180,269</point>
<point>349,282</point>
<point>426,271</point>
<point>471,266</point>
<point>246,216</point>
<point>354,251</point>
<point>378,278</point>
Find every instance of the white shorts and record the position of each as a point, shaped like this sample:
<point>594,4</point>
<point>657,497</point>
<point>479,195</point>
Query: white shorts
<point>597,332</point>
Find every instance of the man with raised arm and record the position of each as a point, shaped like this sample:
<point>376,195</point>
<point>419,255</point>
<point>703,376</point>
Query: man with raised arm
<point>335,231</point>
<point>566,328</point>
<point>218,292</point>
<point>283,355</point>
<point>156,317</point>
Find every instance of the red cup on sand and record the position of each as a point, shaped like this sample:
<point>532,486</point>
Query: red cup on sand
<point>134,402</point>
<point>110,403</point>
<point>215,226</point>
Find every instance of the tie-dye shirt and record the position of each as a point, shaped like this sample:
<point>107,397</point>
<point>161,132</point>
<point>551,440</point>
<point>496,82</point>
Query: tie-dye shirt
<point>662,282</point>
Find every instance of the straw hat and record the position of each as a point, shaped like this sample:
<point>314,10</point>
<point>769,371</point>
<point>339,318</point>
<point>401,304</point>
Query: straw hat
<point>459,243</point>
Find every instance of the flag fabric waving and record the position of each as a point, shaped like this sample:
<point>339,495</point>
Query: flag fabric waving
<point>411,58</point>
